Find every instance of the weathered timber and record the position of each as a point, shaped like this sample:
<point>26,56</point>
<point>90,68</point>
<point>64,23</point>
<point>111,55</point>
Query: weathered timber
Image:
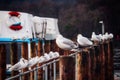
<point>67,68</point>
<point>2,62</point>
<point>14,57</point>
<point>40,71</point>
<point>24,54</point>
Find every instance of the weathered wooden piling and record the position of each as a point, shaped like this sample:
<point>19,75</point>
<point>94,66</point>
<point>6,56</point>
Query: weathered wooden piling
<point>47,50</point>
<point>98,62</point>
<point>106,60</point>
<point>111,65</point>
<point>110,60</point>
<point>33,54</point>
<point>85,65</point>
<point>102,57</point>
<point>54,46</point>
<point>2,62</point>
<point>14,57</point>
<point>67,68</point>
<point>24,54</point>
<point>47,46</point>
<point>40,71</point>
<point>79,71</point>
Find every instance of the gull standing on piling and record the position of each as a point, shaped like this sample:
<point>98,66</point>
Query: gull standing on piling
<point>65,43</point>
<point>83,41</point>
<point>95,37</point>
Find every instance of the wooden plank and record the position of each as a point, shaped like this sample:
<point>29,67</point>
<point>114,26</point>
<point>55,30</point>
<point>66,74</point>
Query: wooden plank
<point>2,62</point>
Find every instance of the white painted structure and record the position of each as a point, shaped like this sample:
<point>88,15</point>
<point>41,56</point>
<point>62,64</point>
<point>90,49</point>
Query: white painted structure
<point>26,22</point>
<point>46,27</point>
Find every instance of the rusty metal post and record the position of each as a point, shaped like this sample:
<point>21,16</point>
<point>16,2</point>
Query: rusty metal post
<point>67,68</point>
<point>14,56</point>
<point>2,62</point>
<point>24,54</point>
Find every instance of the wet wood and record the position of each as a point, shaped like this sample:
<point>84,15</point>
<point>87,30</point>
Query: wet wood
<point>40,71</point>
<point>102,57</point>
<point>2,62</point>
<point>33,54</point>
<point>14,57</point>
<point>85,66</point>
<point>79,71</point>
<point>110,61</point>
<point>47,46</point>
<point>24,54</point>
<point>67,68</point>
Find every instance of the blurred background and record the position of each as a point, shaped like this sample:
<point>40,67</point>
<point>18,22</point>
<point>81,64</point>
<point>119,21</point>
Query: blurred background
<point>74,16</point>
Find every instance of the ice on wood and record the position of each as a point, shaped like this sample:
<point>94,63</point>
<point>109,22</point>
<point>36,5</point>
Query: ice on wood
<point>25,21</point>
<point>51,25</point>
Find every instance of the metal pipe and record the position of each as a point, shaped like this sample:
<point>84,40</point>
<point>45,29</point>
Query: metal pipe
<point>54,70</point>
<point>46,72</point>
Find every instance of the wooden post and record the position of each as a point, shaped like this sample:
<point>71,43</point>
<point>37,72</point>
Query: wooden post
<point>47,46</point>
<point>98,62</point>
<point>79,71</point>
<point>110,61</point>
<point>102,57</point>
<point>47,50</point>
<point>14,56</point>
<point>33,54</point>
<point>40,71</point>
<point>2,62</point>
<point>67,68</point>
<point>86,63</point>
<point>106,61</point>
<point>54,46</point>
<point>24,54</point>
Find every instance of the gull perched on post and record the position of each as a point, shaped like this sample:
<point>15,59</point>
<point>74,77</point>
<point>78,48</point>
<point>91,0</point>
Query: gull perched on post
<point>94,37</point>
<point>110,36</point>
<point>65,43</point>
<point>19,65</point>
<point>83,41</point>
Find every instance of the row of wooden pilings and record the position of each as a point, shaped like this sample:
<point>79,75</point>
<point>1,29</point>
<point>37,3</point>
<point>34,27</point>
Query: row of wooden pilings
<point>91,63</point>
